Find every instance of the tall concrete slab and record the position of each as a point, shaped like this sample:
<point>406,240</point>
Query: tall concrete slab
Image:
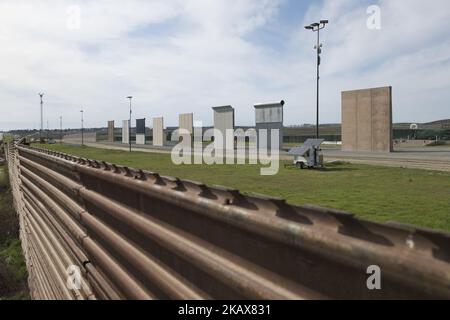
<point>186,122</point>
<point>223,121</point>
<point>382,119</point>
<point>140,131</point>
<point>126,131</point>
<point>111,131</point>
<point>269,116</point>
<point>367,120</point>
<point>158,132</point>
<point>364,120</point>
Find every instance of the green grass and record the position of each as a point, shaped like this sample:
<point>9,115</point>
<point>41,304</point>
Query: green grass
<point>13,272</point>
<point>11,256</point>
<point>8,137</point>
<point>376,193</point>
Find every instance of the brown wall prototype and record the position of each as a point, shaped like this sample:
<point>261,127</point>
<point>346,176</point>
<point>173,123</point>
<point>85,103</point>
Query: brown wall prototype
<point>139,235</point>
<point>111,131</point>
<point>367,120</point>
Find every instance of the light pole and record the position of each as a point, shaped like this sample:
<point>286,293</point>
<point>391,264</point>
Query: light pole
<point>60,130</point>
<point>41,95</point>
<point>316,27</point>
<point>82,127</point>
<point>129,124</point>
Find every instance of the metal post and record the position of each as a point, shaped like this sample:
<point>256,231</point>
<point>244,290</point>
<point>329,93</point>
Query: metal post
<point>318,77</point>
<point>129,124</point>
<point>60,130</point>
<point>316,27</point>
<point>41,95</point>
<point>82,128</point>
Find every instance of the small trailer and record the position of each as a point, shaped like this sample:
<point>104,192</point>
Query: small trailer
<point>309,155</point>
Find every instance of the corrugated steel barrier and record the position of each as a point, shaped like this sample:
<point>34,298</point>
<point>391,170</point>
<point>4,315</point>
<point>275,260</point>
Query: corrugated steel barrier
<point>135,234</point>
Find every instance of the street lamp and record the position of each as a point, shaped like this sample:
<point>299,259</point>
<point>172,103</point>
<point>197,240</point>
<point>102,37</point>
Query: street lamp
<point>41,95</point>
<point>82,127</point>
<point>60,130</point>
<point>316,27</point>
<point>129,124</point>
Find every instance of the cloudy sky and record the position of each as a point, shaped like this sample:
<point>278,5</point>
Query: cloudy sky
<point>177,56</point>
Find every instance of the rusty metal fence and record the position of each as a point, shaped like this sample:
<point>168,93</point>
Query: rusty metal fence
<point>135,234</point>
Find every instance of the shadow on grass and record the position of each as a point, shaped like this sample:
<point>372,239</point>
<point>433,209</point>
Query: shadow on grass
<point>335,169</point>
<point>329,168</point>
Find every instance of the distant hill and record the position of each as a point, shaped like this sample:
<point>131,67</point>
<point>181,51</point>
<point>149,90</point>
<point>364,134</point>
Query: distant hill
<point>439,122</point>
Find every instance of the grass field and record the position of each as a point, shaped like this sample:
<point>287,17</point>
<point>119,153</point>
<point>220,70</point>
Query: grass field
<point>13,272</point>
<point>380,194</point>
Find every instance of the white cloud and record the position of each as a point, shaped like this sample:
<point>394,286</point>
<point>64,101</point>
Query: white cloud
<point>187,56</point>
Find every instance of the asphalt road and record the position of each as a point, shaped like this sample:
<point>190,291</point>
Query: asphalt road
<point>431,158</point>
<point>427,158</point>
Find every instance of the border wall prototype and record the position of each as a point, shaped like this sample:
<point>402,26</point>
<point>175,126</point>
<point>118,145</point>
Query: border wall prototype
<point>367,120</point>
<point>132,234</point>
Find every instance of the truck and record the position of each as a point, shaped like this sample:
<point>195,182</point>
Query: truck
<point>309,155</point>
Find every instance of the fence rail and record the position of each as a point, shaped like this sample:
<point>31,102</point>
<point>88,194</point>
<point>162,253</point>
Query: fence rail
<point>135,234</point>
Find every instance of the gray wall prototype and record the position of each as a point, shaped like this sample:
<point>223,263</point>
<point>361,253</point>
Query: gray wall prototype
<point>158,132</point>
<point>223,121</point>
<point>186,122</point>
<point>269,116</point>
<point>125,131</point>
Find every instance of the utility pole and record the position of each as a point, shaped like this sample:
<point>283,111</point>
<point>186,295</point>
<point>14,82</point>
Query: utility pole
<point>41,95</point>
<point>316,27</point>
<point>60,130</point>
<point>129,124</point>
<point>82,127</point>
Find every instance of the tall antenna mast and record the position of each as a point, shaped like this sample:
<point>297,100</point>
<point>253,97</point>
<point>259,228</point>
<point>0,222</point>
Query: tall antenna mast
<point>41,95</point>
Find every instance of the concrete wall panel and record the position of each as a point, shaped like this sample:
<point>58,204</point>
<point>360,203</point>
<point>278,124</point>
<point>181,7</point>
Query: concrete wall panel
<point>125,131</point>
<point>140,138</point>
<point>364,120</point>
<point>111,131</point>
<point>223,121</point>
<point>367,120</point>
<point>382,119</point>
<point>140,126</point>
<point>269,116</point>
<point>186,122</point>
<point>158,132</point>
<point>349,116</point>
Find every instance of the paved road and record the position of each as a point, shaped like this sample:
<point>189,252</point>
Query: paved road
<point>431,158</point>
